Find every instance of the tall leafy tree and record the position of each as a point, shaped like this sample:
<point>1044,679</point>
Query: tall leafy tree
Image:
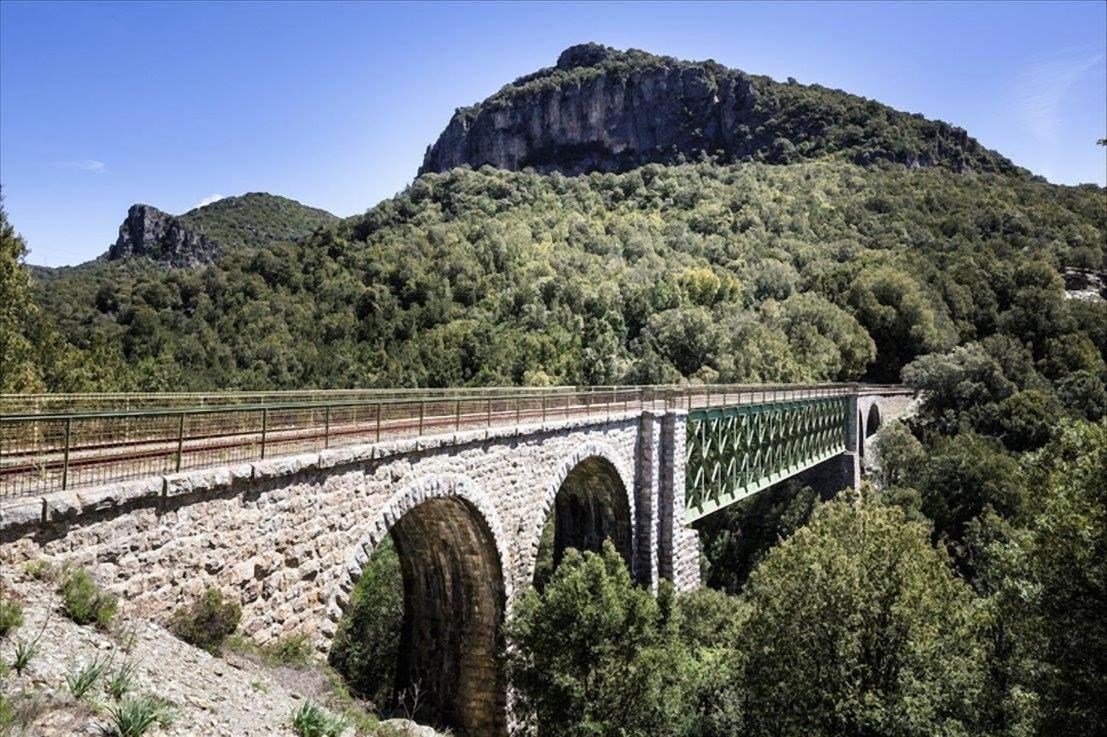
<point>859,626</point>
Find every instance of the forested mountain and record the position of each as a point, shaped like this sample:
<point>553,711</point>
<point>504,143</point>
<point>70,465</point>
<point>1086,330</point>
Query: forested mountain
<point>600,109</point>
<point>255,219</point>
<point>814,271</point>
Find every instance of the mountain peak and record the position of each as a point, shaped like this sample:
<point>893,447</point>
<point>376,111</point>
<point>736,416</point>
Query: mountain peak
<point>585,55</point>
<point>203,233</point>
<point>153,233</point>
<point>604,109</point>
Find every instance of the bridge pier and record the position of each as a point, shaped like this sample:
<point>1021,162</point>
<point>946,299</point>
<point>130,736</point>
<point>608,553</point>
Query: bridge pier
<point>679,545</point>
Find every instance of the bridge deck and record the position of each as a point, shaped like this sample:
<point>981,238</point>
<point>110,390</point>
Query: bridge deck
<point>103,438</point>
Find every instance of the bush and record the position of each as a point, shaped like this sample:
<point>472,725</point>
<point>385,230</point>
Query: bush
<point>293,651</point>
<point>11,616</point>
<point>84,601</point>
<point>40,570</point>
<point>366,645</point>
<point>312,720</point>
<point>207,622</point>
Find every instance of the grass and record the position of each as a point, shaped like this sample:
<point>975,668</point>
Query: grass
<point>293,651</point>
<point>312,720</point>
<point>132,717</point>
<point>24,653</point>
<point>84,601</point>
<point>81,680</point>
<point>119,685</point>
<point>11,616</point>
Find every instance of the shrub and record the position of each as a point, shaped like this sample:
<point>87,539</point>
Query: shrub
<point>131,718</point>
<point>293,651</point>
<point>40,570</point>
<point>593,654</point>
<point>366,646</point>
<point>11,616</point>
<point>312,720</point>
<point>84,601</point>
<point>207,622</point>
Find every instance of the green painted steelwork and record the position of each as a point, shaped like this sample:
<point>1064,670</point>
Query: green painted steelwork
<point>732,452</point>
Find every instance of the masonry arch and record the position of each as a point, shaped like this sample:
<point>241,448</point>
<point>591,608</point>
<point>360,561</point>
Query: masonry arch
<point>452,558</point>
<point>589,500</point>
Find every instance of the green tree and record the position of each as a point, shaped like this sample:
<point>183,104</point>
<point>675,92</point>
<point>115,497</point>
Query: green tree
<point>1067,563</point>
<point>897,455</point>
<point>1025,420</point>
<point>858,626</point>
<point>962,478</point>
<point>366,645</point>
<point>900,316</point>
<point>593,655</point>
<point>34,355</point>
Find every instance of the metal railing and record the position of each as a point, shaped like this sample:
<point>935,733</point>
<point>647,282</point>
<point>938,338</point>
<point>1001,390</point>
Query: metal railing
<point>150,434</point>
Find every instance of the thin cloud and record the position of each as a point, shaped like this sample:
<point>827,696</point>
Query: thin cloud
<point>208,200</point>
<point>92,166</point>
<point>1044,87</point>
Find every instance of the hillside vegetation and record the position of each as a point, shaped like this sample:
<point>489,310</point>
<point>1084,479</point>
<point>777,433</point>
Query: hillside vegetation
<point>818,271</point>
<point>256,219</point>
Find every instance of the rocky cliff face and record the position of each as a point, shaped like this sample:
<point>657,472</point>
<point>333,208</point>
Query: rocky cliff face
<point>149,232</point>
<point>600,109</point>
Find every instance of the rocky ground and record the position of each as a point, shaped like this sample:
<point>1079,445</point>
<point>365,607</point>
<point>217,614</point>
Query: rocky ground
<point>233,695</point>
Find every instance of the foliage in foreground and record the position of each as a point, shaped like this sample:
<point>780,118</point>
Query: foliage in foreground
<point>858,625</point>
<point>81,679</point>
<point>366,645</point>
<point>312,720</point>
<point>84,601</point>
<point>207,621</point>
<point>11,615</point>
<point>855,625</point>
<point>592,654</point>
<point>132,717</point>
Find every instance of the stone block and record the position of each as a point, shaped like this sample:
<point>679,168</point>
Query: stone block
<point>21,513</point>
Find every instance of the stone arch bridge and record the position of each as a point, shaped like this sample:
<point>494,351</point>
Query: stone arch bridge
<point>465,495</point>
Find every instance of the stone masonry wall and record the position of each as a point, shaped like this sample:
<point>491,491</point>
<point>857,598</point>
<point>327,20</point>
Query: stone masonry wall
<point>289,535</point>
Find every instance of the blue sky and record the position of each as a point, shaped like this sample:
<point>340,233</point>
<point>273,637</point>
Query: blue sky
<point>333,104</point>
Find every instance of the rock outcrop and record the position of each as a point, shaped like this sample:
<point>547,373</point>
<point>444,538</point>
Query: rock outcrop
<point>600,109</point>
<point>157,235</point>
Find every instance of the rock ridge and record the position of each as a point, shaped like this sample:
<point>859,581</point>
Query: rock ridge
<point>601,109</point>
<point>152,233</point>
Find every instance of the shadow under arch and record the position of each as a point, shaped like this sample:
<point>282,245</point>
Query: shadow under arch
<point>872,422</point>
<point>592,503</point>
<point>448,541</point>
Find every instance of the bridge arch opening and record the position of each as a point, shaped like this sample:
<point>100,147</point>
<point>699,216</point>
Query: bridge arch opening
<point>872,422</point>
<point>592,505</point>
<point>445,670</point>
